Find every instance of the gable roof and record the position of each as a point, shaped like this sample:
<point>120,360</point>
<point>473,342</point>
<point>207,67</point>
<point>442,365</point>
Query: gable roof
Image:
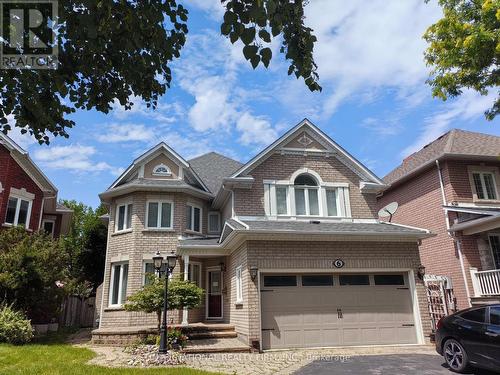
<point>455,143</point>
<point>22,157</point>
<point>213,168</point>
<point>306,125</point>
<point>159,148</point>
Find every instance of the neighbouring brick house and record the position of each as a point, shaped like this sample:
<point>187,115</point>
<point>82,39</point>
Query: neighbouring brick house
<point>452,186</point>
<point>27,196</point>
<point>287,246</point>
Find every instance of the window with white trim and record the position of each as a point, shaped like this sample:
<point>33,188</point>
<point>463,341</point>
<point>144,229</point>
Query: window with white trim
<point>495,249</point>
<point>214,222</point>
<point>194,273</point>
<point>18,211</point>
<point>239,284</point>
<point>193,218</point>
<point>48,226</point>
<point>118,285</point>
<point>160,214</point>
<point>124,217</point>
<point>484,185</point>
<point>161,170</point>
<point>306,196</point>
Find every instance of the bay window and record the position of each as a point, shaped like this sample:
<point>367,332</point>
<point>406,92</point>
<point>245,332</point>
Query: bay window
<point>160,215</point>
<point>18,211</point>
<point>118,285</point>
<point>193,218</point>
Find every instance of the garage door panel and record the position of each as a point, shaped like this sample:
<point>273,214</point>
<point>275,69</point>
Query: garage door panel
<point>308,316</point>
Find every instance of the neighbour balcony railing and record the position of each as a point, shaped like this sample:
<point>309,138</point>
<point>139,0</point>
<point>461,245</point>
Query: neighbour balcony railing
<point>485,283</point>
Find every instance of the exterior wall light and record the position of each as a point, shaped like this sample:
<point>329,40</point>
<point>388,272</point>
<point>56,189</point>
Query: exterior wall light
<point>253,272</point>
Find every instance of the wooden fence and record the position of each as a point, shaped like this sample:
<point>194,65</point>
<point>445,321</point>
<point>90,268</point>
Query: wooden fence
<point>77,312</point>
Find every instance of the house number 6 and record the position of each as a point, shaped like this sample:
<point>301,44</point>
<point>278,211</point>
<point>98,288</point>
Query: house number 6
<point>338,263</point>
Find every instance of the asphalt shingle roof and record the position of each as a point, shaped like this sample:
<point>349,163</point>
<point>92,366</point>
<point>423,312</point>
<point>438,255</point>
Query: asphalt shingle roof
<point>199,241</point>
<point>331,227</point>
<point>212,168</point>
<point>457,142</point>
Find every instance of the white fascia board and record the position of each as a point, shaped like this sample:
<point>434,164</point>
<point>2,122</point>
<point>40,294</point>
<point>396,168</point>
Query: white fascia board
<point>306,123</point>
<point>162,145</point>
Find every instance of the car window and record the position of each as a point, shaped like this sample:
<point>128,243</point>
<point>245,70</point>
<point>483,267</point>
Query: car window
<point>476,315</point>
<point>495,315</point>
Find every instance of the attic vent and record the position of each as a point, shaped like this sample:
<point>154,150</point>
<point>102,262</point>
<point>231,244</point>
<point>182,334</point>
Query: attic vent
<point>314,222</point>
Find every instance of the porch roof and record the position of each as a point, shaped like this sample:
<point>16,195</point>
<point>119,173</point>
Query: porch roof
<point>293,230</point>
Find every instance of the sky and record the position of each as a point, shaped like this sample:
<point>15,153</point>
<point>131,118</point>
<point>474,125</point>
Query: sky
<point>375,101</point>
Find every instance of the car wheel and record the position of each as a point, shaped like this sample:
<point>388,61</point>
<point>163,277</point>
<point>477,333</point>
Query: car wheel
<point>455,356</point>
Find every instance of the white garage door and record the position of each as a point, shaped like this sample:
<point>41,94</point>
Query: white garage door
<point>314,310</point>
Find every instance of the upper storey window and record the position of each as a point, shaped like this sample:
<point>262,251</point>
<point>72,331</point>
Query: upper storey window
<point>305,194</point>
<point>193,218</point>
<point>484,182</point>
<point>123,217</point>
<point>161,170</point>
<point>18,211</point>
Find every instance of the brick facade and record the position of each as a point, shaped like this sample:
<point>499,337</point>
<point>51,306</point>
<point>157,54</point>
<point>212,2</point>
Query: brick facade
<point>250,202</point>
<point>420,204</point>
<point>13,176</point>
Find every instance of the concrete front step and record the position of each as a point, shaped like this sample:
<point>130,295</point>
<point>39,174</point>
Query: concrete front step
<point>211,335</point>
<point>478,301</point>
<point>216,345</point>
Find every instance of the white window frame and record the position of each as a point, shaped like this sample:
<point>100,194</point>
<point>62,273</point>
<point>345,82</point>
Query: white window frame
<point>214,213</point>
<point>191,272</point>
<point>192,207</point>
<point>158,219</point>
<point>239,284</point>
<point>169,173</point>
<point>342,198</point>
<point>53,225</point>
<point>125,218</point>
<point>18,209</point>
<point>482,170</point>
<point>120,284</point>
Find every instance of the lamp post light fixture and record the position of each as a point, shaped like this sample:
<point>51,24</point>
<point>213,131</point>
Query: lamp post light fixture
<point>421,271</point>
<point>170,265</point>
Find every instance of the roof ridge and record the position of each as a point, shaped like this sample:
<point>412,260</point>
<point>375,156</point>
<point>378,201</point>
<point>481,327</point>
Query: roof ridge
<point>214,153</point>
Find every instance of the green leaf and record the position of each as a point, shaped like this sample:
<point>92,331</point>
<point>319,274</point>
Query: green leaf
<point>249,51</point>
<point>265,36</point>
<point>266,54</point>
<point>233,37</point>
<point>225,28</point>
<point>255,61</point>
<point>248,36</point>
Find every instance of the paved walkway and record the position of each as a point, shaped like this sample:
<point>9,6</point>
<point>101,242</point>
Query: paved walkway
<point>277,363</point>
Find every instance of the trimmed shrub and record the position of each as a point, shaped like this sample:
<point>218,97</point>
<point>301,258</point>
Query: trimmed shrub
<point>14,327</point>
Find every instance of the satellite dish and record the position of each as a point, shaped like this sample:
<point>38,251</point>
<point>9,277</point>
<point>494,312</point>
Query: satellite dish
<point>388,210</point>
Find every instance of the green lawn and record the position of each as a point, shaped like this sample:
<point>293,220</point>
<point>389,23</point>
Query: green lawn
<point>56,358</point>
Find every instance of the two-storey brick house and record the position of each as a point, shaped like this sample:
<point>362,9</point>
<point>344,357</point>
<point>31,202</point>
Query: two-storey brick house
<point>452,186</point>
<point>287,246</point>
<point>27,196</point>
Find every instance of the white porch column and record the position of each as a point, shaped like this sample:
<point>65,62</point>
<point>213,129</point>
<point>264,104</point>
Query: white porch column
<point>186,277</point>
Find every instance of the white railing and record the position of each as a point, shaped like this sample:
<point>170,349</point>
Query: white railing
<point>485,283</point>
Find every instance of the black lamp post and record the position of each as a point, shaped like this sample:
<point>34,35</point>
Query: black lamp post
<point>158,262</point>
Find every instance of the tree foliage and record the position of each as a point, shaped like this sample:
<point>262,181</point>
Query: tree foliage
<point>149,299</point>
<point>464,49</point>
<point>109,51</point>
<point>31,267</point>
<point>85,247</point>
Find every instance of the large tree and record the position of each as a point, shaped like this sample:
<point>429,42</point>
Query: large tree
<point>111,50</point>
<point>464,49</point>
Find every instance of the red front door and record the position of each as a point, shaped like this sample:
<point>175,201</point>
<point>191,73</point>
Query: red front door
<point>214,294</point>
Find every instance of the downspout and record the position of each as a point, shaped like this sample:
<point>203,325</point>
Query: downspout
<point>41,213</point>
<point>453,236</point>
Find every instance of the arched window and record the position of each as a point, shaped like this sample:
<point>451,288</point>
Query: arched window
<point>306,195</point>
<point>161,170</point>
